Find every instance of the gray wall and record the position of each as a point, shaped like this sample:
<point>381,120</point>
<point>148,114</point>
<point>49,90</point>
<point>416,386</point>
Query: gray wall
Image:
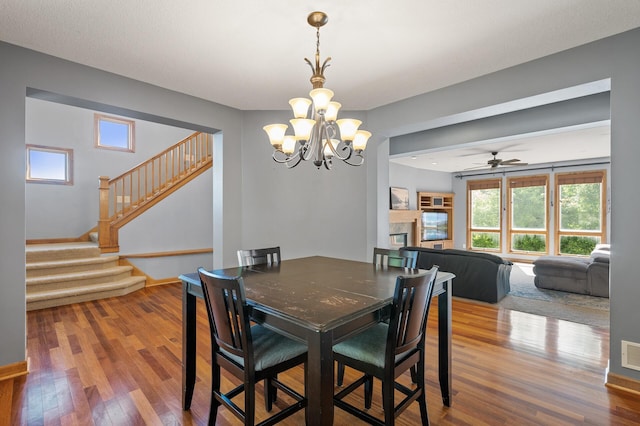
<point>304,210</point>
<point>65,211</point>
<point>341,213</point>
<point>22,70</point>
<point>617,58</point>
<point>417,180</point>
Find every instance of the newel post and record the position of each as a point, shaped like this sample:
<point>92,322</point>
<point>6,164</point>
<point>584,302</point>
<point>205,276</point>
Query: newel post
<point>106,239</point>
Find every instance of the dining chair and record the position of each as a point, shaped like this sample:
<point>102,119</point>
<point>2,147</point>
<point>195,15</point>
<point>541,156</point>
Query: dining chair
<point>386,257</point>
<point>250,353</point>
<point>404,347</point>
<point>260,256</point>
<point>400,258</point>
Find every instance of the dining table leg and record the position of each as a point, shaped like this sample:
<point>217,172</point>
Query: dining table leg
<point>319,379</point>
<point>444,343</point>
<point>188,345</point>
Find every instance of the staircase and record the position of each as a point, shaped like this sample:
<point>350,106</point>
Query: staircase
<point>65,273</point>
<point>125,197</point>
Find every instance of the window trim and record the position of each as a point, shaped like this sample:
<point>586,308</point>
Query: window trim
<point>96,132</point>
<point>477,185</point>
<point>68,152</point>
<point>522,182</point>
<point>591,176</point>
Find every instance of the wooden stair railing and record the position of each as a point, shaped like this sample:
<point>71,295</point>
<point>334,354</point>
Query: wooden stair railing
<point>125,197</point>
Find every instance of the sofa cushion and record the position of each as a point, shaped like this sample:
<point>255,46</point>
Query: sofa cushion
<point>601,259</point>
<point>559,266</point>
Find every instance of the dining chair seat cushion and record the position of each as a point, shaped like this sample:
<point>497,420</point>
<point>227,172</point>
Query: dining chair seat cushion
<point>368,346</point>
<point>270,348</point>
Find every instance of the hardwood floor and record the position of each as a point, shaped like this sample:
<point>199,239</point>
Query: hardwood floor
<point>117,362</point>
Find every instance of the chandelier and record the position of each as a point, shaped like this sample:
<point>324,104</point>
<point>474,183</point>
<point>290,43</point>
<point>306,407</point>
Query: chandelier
<point>322,137</point>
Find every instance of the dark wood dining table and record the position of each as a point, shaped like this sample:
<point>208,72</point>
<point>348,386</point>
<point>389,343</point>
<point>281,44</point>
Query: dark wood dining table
<point>321,301</point>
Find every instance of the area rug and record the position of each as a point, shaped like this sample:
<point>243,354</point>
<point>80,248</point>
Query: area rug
<point>526,297</point>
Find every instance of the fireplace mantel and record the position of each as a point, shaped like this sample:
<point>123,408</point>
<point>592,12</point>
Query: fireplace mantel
<point>408,216</point>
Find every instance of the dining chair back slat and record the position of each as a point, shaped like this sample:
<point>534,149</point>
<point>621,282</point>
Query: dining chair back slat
<point>399,258</point>
<point>261,256</point>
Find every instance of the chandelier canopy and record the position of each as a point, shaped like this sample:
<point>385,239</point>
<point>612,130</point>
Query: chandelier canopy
<point>321,137</point>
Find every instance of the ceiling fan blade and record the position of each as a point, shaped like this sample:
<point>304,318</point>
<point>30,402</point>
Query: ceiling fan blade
<point>484,166</point>
<point>514,164</point>
<point>513,160</point>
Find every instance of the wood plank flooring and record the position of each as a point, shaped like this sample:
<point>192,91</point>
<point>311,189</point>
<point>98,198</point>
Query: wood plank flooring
<point>118,362</point>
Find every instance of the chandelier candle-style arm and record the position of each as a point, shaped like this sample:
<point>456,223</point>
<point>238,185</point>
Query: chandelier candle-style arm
<point>318,133</point>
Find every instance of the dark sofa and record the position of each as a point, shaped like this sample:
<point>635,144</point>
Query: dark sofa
<point>479,276</point>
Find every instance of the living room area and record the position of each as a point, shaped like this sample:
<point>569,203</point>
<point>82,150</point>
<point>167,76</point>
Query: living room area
<point>529,188</point>
<point>489,279</point>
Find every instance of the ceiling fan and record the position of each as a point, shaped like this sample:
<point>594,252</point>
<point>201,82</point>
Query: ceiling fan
<point>497,162</point>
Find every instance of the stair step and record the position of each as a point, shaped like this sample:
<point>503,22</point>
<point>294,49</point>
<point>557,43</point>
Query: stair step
<point>76,279</point>
<point>38,269</point>
<point>60,251</point>
<point>58,297</point>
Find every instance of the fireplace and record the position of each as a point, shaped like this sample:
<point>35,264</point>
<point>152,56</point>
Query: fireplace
<point>404,222</point>
<point>398,240</point>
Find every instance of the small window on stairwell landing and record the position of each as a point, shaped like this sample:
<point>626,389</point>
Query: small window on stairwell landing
<point>114,133</point>
<point>47,164</point>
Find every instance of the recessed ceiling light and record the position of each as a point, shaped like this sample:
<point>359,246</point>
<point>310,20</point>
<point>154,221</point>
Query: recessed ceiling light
<point>413,157</point>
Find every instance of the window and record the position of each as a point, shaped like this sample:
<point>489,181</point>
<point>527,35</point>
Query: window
<point>114,133</point>
<point>580,213</point>
<point>49,165</point>
<point>484,201</point>
<point>528,230</point>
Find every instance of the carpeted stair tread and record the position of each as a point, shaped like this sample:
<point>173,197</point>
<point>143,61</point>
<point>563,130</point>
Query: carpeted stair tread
<point>113,285</point>
<point>60,251</point>
<point>72,265</point>
<point>76,276</point>
<point>52,298</point>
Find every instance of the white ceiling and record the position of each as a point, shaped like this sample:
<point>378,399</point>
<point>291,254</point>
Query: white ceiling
<point>249,54</point>
<point>589,144</point>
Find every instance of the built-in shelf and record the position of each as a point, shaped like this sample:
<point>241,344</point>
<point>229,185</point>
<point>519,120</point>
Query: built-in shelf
<point>441,202</point>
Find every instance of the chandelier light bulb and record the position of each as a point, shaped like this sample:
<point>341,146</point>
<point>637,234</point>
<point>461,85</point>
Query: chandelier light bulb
<point>276,133</point>
<point>302,127</point>
<point>348,128</point>
<point>321,98</point>
<point>360,141</point>
<point>289,144</point>
<point>332,111</point>
<point>300,106</point>
<point>328,153</point>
